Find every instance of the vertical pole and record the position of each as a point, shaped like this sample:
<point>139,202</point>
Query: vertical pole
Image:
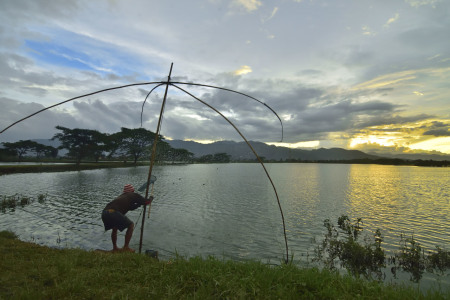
<point>152,160</point>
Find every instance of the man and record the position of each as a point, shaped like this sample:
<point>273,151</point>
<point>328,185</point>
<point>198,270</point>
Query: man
<point>113,215</point>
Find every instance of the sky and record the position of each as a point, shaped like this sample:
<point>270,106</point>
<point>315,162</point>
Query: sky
<point>356,74</point>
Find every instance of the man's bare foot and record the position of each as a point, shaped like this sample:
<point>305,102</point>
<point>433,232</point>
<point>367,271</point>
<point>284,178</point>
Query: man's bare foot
<point>127,249</point>
<point>116,250</point>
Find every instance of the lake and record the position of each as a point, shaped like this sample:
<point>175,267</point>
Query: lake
<point>230,210</point>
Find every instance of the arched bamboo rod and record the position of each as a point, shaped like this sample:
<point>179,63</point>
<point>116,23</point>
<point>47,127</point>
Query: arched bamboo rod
<point>82,96</point>
<point>167,83</point>
<point>148,94</point>
<point>139,84</point>
<point>254,152</point>
<point>233,91</point>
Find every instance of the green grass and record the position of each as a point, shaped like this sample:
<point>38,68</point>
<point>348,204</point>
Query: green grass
<point>30,271</point>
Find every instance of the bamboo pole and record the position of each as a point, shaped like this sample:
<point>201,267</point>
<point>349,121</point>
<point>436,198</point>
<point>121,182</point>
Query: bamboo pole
<point>152,160</point>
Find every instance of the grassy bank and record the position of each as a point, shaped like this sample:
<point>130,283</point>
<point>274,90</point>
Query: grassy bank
<point>30,271</point>
<point>12,169</point>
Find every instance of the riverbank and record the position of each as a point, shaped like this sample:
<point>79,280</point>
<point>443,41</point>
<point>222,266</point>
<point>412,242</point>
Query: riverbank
<point>49,167</point>
<point>62,167</point>
<point>31,271</point>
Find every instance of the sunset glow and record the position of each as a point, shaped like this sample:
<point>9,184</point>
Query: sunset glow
<point>371,139</point>
<point>378,82</point>
<point>308,144</point>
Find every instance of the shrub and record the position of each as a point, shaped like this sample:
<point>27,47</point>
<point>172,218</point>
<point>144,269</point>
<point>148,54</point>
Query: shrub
<point>342,245</point>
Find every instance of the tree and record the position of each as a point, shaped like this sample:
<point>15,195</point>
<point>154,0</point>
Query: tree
<point>164,152</point>
<point>6,154</point>
<point>182,155</point>
<point>221,158</point>
<point>137,142</point>
<point>45,151</point>
<point>81,143</point>
<point>23,147</point>
<point>170,154</point>
<point>20,148</point>
<point>216,158</point>
<point>113,144</point>
<point>208,158</point>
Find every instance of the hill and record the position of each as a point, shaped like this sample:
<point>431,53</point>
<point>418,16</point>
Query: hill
<point>241,151</point>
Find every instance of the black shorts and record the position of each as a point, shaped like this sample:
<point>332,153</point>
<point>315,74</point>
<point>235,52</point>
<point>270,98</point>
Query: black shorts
<point>114,219</point>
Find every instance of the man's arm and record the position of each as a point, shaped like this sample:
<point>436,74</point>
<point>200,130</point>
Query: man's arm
<point>149,200</point>
<point>138,201</point>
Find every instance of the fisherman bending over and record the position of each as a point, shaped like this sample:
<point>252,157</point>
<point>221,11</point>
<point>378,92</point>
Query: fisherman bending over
<point>113,215</point>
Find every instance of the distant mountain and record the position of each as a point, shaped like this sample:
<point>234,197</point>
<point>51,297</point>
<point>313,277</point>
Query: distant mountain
<point>413,156</point>
<point>241,151</point>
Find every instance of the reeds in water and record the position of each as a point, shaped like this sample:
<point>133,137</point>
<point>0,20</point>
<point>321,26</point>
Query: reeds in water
<point>11,202</point>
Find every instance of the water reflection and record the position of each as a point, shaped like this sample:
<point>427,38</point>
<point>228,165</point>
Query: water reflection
<point>402,200</point>
<point>231,209</point>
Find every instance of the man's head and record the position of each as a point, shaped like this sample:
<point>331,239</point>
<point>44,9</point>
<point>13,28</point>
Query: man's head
<point>128,188</point>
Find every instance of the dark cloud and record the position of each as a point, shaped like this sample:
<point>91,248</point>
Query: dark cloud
<point>437,132</point>
<point>437,128</point>
<point>39,126</point>
<point>393,119</point>
<point>312,114</point>
<point>304,61</point>
<point>16,72</point>
<point>23,10</point>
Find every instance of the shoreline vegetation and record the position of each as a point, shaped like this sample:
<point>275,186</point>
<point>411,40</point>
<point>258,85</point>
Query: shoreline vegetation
<point>66,165</point>
<point>31,271</point>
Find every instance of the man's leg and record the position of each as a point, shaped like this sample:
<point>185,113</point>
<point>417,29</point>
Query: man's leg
<point>128,236</point>
<point>114,239</point>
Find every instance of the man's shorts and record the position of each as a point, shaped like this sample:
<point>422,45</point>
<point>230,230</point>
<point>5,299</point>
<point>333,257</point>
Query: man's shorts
<point>114,219</point>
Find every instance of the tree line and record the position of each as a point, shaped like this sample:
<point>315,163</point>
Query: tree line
<point>86,144</point>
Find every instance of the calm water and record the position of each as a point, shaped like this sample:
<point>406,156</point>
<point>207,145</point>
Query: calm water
<point>230,210</point>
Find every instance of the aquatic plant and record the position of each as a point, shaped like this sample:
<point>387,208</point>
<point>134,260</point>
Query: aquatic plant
<point>341,246</point>
<point>8,202</point>
<point>411,258</point>
<point>438,261</point>
<point>11,202</point>
<point>41,198</point>
<point>24,201</point>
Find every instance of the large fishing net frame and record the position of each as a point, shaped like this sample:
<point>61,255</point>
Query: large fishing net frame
<point>176,84</point>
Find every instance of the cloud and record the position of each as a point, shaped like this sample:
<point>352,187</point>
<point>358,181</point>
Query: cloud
<point>243,70</point>
<point>438,128</point>
<point>325,79</point>
<point>366,30</point>
<point>274,12</point>
<point>426,38</point>
<point>39,126</point>
<point>392,20</point>
<point>419,3</point>
<point>403,78</point>
<point>437,132</point>
<point>249,5</point>
<point>393,150</point>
